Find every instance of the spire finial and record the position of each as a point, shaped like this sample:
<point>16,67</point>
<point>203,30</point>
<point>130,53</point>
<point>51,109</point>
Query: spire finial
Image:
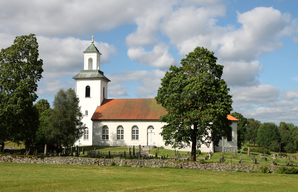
<point>92,39</point>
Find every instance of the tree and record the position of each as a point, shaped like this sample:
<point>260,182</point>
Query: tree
<point>65,125</point>
<point>20,70</point>
<point>267,134</point>
<point>241,128</point>
<point>252,129</point>
<point>197,102</point>
<point>42,105</point>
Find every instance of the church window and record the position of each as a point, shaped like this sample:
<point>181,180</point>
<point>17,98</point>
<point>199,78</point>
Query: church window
<point>135,133</point>
<point>120,133</point>
<point>90,64</point>
<point>229,137</point>
<point>87,94</point>
<point>105,133</point>
<point>86,112</point>
<point>86,134</point>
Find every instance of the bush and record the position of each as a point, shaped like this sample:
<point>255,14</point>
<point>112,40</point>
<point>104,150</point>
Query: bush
<point>245,149</point>
<point>198,151</point>
<point>285,170</point>
<point>260,150</point>
<point>263,169</point>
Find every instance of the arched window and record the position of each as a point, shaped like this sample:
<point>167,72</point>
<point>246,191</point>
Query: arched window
<point>87,92</point>
<point>90,64</point>
<point>105,133</point>
<point>135,133</point>
<point>120,133</point>
<point>86,134</point>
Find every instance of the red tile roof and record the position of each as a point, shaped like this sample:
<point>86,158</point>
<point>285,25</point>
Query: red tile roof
<point>129,109</point>
<point>132,109</point>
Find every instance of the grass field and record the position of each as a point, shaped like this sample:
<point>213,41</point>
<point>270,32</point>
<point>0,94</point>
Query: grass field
<point>41,177</point>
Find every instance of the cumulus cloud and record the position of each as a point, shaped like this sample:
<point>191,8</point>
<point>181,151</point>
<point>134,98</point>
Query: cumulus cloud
<point>258,35</point>
<point>241,73</point>
<point>260,94</point>
<point>158,57</point>
<point>290,95</point>
<point>149,82</point>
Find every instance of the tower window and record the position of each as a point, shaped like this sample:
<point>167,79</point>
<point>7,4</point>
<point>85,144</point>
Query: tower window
<point>87,91</point>
<point>103,93</point>
<point>86,112</point>
<point>229,137</point>
<point>90,64</point>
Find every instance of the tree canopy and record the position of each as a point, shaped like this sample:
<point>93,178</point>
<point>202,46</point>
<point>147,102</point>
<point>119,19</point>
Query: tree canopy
<point>65,125</point>
<point>197,101</point>
<point>252,129</point>
<point>20,70</point>
<point>267,134</point>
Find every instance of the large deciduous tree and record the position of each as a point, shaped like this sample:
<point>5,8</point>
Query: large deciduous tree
<point>252,130</point>
<point>197,102</point>
<point>267,134</point>
<point>241,128</point>
<point>65,125</point>
<point>20,70</point>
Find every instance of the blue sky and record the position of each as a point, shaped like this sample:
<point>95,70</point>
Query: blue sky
<point>255,40</point>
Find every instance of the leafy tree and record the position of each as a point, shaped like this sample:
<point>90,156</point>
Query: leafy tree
<point>252,129</point>
<point>65,125</point>
<point>197,102</point>
<point>267,133</point>
<point>42,105</point>
<point>241,128</point>
<point>20,70</point>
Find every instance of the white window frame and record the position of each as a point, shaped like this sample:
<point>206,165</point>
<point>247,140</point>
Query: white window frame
<point>105,133</point>
<point>86,134</point>
<point>120,133</point>
<point>135,133</point>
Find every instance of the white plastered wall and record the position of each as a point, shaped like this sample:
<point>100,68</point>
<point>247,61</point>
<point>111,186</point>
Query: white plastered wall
<point>95,60</point>
<point>127,126</point>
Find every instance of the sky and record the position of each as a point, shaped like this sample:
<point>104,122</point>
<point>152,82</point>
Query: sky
<point>255,40</point>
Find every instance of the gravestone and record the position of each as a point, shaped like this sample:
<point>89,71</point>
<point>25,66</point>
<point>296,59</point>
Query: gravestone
<point>109,155</point>
<point>45,149</point>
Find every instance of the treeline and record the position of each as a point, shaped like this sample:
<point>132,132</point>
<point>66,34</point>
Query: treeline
<point>277,138</point>
<point>20,119</point>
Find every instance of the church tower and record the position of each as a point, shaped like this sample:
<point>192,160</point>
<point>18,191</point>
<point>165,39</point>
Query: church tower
<point>91,88</point>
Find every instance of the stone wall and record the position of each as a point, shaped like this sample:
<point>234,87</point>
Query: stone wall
<point>137,163</point>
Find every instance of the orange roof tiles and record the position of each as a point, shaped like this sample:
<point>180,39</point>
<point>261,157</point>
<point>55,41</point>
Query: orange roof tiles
<point>129,109</point>
<point>132,109</point>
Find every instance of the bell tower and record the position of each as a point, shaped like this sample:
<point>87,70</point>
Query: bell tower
<point>91,88</point>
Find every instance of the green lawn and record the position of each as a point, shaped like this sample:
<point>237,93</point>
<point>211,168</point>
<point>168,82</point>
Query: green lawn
<point>42,177</point>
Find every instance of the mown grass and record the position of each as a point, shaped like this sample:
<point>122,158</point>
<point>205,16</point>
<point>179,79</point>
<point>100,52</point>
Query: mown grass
<point>42,177</point>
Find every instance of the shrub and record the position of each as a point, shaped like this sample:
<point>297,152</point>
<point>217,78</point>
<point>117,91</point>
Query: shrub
<point>245,149</point>
<point>263,169</point>
<point>198,151</point>
<point>285,170</point>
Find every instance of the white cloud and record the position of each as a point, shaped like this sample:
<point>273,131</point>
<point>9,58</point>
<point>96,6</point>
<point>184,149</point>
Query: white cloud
<point>149,82</point>
<point>261,94</point>
<point>290,95</point>
<point>158,57</point>
<point>258,35</point>
<point>241,73</point>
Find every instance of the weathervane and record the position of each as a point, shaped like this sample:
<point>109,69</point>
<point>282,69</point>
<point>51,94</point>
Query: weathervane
<point>92,39</point>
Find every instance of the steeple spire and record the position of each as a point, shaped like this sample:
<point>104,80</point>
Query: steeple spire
<point>92,39</point>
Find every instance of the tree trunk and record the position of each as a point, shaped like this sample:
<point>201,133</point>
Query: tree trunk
<point>28,146</point>
<point>194,143</point>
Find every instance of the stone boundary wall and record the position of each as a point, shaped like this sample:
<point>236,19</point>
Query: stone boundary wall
<point>137,163</point>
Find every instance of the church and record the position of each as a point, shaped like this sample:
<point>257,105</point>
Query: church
<point>124,122</point>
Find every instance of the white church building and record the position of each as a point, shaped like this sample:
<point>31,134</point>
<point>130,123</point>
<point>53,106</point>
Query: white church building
<point>124,122</point>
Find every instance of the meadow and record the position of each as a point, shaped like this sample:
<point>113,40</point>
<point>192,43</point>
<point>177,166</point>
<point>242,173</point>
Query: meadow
<point>43,177</point>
